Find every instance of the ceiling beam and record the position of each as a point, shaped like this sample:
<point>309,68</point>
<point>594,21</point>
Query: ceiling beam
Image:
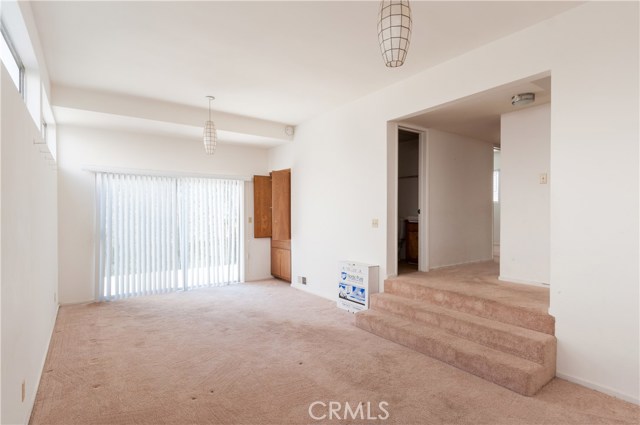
<point>156,110</point>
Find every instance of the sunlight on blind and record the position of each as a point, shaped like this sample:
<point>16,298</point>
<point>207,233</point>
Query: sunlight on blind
<point>161,234</point>
<point>210,233</point>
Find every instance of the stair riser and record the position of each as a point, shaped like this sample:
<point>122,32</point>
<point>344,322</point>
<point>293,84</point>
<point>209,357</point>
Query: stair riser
<point>516,380</point>
<point>536,351</point>
<point>468,304</point>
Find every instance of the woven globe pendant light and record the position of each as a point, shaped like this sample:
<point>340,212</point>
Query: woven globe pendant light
<point>210,137</point>
<point>394,31</point>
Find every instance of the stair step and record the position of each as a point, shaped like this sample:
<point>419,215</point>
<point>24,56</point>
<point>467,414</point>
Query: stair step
<point>517,374</point>
<point>484,307</point>
<point>525,343</point>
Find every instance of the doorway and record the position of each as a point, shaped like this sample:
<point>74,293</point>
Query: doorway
<point>408,200</point>
<point>467,222</point>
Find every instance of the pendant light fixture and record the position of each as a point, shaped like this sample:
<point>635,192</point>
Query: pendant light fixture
<point>394,31</point>
<point>210,137</point>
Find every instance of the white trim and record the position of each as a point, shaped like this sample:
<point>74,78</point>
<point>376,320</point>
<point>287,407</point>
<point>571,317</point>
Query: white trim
<point>392,198</point>
<point>96,244</point>
<point>163,173</point>
<point>424,202</point>
<point>44,360</point>
<point>423,194</point>
<point>600,388</point>
<point>78,303</point>
<point>392,202</point>
<point>522,281</point>
<point>243,230</point>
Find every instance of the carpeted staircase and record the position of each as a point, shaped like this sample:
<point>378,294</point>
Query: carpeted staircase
<point>489,336</point>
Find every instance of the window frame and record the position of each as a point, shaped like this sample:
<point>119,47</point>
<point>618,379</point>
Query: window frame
<point>16,57</point>
<point>43,129</point>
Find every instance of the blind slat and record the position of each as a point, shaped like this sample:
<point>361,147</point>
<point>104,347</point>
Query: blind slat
<point>159,234</point>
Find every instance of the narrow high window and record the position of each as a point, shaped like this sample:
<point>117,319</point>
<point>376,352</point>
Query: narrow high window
<point>11,60</point>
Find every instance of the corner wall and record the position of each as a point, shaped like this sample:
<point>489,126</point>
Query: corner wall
<point>28,224</point>
<point>339,179</point>
<point>79,148</point>
<point>460,203</point>
<point>525,143</point>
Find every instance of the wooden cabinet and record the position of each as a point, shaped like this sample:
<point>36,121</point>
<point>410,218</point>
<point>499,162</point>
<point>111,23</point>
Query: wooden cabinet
<point>281,224</point>
<point>281,260</point>
<point>411,232</point>
<point>272,211</point>
<point>262,206</point>
<point>281,205</point>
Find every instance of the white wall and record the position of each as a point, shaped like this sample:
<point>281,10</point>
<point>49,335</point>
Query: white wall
<point>525,144</point>
<point>339,182</point>
<point>460,205</point>
<point>29,258</point>
<point>281,157</point>
<point>80,147</point>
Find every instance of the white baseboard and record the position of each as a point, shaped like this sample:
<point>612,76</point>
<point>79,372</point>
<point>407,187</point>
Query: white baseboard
<point>305,288</point>
<point>258,279</point>
<point>479,260</point>
<point>599,388</point>
<point>32,397</point>
<point>522,281</point>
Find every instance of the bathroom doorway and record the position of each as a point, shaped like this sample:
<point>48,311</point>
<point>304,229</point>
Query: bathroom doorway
<point>408,200</point>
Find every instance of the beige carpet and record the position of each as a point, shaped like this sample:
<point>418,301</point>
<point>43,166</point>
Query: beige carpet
<point>261,354</point>
<point>481,280</point>
<point>465,317</point>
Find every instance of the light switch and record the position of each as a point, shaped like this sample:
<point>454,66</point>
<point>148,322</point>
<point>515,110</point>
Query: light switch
<point>543,178</point>
<point>250,219</point>
<point>374,223</point>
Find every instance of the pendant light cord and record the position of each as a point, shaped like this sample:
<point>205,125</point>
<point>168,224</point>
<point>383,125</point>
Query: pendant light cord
<point>210,99</point>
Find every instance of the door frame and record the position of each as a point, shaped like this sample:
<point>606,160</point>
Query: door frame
<point>392,196</point>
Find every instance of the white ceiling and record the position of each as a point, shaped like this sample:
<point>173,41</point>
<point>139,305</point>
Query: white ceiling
<point>478,116</point>
<point>280,61</point>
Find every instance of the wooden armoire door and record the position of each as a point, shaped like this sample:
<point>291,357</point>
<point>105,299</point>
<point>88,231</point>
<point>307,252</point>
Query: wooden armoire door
<point>281,205</point>
<point>272,210</point>
<point>281,224</point>
<point>262,206</point>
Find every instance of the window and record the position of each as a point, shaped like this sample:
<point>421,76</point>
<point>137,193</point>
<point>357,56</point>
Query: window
<point>161,234</point>
<point>496,185</point>
<point>11,60</point>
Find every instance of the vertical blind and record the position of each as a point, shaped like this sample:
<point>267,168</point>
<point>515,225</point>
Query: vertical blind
<point>161,234</point>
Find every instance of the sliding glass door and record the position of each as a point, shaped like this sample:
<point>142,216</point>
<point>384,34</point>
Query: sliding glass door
<point>160,234</point>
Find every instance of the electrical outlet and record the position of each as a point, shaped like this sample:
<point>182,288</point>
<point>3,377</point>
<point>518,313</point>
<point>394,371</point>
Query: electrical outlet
<point>302,280</point>
<point>250,220</point>
<point>374,223</point>
<point>24,390</point>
